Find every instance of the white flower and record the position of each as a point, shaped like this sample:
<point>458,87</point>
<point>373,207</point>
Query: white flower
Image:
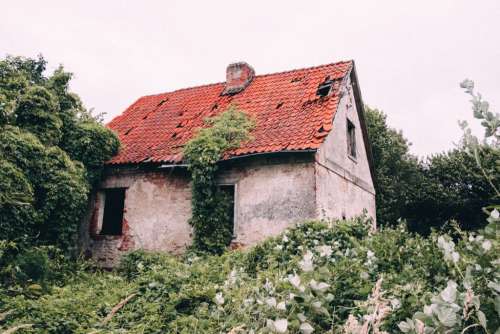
<point>395,303</point>
<point>305,328</point>
<point>301,317</point>
<point>268,286</point>
<point>450,293</point>
<point>277,326</point>
<point>364,275</point>
<point>294,280</point>
<point>370,254</point>
<point>140,266</point>
<point>271,302</point>
<point>316,305</point>
<point>248,301</point>
<point>278,247</point>
<point>285,238</point>
<point>324,251</point>
<point>322,286</point>
<point>471,238</point>
<point>232,278</point>
<point>219,300</point>
<point>495,214</point>
<point>281,306</point>
<point>486,245</point>
<point>455,257</point>
<point>306,264</point>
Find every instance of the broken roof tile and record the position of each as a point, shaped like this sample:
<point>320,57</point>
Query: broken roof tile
<point>163,123</point>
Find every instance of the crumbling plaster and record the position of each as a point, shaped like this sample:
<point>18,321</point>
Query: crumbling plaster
<point>344,185</point>
<point>273,192</point>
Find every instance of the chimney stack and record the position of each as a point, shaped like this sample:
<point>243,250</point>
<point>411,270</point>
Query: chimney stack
<point>238,77</point>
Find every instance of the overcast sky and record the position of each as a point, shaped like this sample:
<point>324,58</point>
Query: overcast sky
<point>410,56</point>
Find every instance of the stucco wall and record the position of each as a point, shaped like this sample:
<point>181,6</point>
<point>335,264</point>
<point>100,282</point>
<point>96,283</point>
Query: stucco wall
<point>344,186</point>
<point>157,207</point>
<point>271,194</point>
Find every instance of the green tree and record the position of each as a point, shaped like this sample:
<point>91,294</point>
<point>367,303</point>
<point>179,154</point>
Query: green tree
<point>52,151</point>
<point>398,174</point>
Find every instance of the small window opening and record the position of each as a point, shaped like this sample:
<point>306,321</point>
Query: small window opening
<point>114,203</point>
<point>228,191</point>
<point>325,88</point>
<point>351,139</point>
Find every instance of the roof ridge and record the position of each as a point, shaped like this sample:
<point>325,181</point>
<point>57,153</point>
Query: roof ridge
<point>256,76</point>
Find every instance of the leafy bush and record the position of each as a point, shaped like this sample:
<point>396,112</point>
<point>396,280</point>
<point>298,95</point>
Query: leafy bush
<point>211,206</point>
<point>52,151</point>
<point>321,276</point>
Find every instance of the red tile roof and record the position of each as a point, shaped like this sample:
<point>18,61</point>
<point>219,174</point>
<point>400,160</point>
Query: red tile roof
<point>288,114</point>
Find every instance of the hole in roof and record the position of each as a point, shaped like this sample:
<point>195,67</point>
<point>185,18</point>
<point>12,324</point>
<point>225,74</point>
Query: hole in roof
<point>215,106</point>
<point>297,79</point>
<point>325,87</point>
<point>162,101</point>
<point>279,105</point>
<point>128,131</point>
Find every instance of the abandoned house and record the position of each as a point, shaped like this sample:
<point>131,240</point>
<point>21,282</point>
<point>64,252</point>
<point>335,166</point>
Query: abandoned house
<point>309,158</point>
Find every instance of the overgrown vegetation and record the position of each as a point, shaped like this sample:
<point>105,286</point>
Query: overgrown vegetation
<point>318,276</point>
<point>448,187</point>
<point>321,277</point>
<point>210,218</point>
<point>51,153</point>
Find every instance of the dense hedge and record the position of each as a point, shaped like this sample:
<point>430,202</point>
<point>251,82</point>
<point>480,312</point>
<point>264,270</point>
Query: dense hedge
<point>327,277</point>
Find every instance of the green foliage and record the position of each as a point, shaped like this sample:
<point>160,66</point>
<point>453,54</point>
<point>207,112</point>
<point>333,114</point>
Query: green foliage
<point>211,219</point>
<point>446,187</point>
<point>52,151</point>
<point>91,143</point>
<point>457,190</point>
<point>37,112</point>
<point>16,201</point>
<point>55,186</point>
<point>318,275</point>
<point>398,177</point>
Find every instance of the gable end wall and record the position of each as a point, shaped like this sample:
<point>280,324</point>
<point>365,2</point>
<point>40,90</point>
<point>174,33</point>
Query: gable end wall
<point>344,186</point>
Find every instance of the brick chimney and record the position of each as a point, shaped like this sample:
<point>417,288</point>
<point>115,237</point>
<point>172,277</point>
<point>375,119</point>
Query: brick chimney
<point>238,77</point>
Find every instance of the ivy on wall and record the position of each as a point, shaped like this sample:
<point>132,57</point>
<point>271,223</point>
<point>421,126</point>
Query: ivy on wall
<point>211,217</point>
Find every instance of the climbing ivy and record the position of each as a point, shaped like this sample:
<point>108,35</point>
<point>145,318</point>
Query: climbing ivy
<point>211,218</point>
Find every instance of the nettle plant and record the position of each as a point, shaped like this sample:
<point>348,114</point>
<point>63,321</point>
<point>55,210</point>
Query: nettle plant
<point>211,219</point>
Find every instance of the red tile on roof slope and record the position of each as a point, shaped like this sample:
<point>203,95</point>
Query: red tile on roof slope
<point>288,115</point>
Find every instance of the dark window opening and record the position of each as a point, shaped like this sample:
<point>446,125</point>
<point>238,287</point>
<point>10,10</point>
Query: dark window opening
<point>351,139</point>
<point>228,192</point>
<point>113,211</point>
<point>325,88</point>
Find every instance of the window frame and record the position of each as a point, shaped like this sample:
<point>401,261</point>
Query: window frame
<point>352,150</point>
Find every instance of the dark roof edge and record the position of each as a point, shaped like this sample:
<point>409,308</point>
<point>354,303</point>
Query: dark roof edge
<point>167,164</point>
<point>360,107</point>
